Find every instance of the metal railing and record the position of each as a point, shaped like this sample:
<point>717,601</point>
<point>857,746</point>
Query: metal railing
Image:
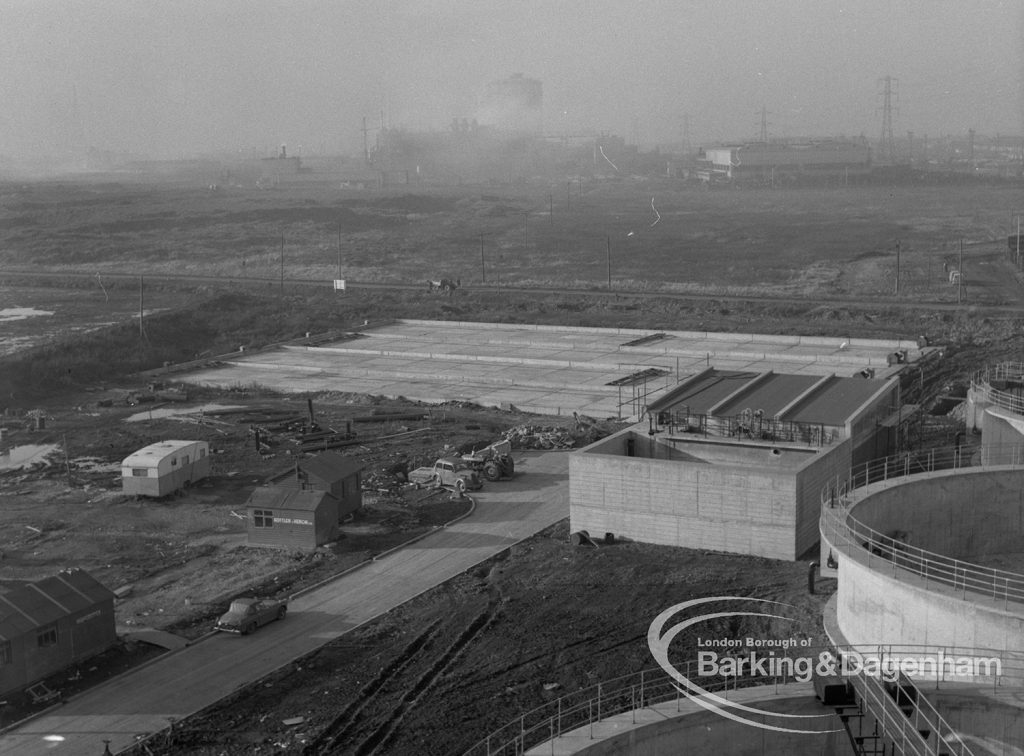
<point>589,706</point>
<point>857,540</point>
<point>981,383</point>
<point>749,425</point>
<point>889,706</point>
<point>633,693</point>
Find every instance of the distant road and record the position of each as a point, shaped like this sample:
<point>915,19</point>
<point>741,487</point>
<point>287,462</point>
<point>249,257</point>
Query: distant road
<point>179,684</point>
<point>998,289</point>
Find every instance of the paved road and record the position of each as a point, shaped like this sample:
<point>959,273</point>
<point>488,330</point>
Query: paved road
<point>180,684</point>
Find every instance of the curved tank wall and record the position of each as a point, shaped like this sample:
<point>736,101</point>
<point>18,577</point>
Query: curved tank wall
<point>960,514</point>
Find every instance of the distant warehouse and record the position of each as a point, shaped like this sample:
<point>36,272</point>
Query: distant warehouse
<point>784,161</point>
<point>165,467</point>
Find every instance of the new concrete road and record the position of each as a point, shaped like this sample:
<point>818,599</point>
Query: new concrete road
<point>182,683</point>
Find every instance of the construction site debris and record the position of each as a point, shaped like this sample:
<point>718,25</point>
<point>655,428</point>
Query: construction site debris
<point>539,437</point>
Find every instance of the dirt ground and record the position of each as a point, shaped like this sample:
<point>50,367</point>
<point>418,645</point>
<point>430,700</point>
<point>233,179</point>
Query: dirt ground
<point>439,673</point>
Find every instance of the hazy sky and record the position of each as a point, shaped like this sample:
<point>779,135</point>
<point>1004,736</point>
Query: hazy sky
<point>180,77</point>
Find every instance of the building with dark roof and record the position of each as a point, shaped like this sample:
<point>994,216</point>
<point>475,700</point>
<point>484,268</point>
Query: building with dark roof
<point>731,461</point>
<point>332,473</point>
<point>291,518</point>
<point>50,624</point>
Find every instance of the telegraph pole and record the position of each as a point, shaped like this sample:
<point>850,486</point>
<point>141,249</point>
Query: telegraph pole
<point>608,241</point>
<point>282,263</point>
<point>483,271</point>
<point>366,146</point>
<point>339,251</point>
<point>142,330</point>
<point>1018,241</point>
<point>960,278</point>
<point>897,268</point>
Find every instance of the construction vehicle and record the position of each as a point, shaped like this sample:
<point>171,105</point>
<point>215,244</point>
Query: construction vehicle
<point>494,461</point>
<point>448,472</point>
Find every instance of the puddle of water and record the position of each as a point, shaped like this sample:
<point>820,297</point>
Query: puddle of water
<point>172,411</point>
<point>22,456</point>
<point>21,313</point>
<point>95,464</point>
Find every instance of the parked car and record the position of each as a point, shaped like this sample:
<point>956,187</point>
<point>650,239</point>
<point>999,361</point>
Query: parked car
<point>247,614</point>
<point>447,472</point>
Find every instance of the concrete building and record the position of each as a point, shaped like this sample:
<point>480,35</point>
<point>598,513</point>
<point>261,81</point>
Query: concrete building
<point>291,518</point>
<point>165,467</point>
<point>50,624</point>
<point>731,461</point>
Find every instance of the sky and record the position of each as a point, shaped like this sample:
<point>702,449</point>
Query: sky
<point>180,78</point>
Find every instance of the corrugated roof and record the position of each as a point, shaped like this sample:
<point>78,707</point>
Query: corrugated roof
<point>34,605</point>
<point>771,394</point>
<point>282,497</point>
<point>836,401</point>
<point>833,402</point>
<point>703,391</point>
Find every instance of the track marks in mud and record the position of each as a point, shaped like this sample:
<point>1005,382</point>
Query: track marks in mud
<point>337,730</point>
<point>379,737</point>
<point>343,735</point>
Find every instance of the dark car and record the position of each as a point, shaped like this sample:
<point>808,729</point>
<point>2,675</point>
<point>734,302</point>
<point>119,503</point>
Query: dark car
<point>247,614</point>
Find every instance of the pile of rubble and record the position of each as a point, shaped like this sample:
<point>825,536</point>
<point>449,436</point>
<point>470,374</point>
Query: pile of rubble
<point>540,437</point>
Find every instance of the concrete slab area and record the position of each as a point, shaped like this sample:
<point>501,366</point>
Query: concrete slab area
<point>549,370</point>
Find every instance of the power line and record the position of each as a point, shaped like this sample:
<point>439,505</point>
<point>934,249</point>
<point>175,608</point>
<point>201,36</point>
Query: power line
<point>889,93</point>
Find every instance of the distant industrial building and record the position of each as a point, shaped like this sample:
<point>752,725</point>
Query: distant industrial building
<point>514,104</point>
<point>731,461</point>
<point>162,468</point>
<point>48,625</point>
<point>784,161</point>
